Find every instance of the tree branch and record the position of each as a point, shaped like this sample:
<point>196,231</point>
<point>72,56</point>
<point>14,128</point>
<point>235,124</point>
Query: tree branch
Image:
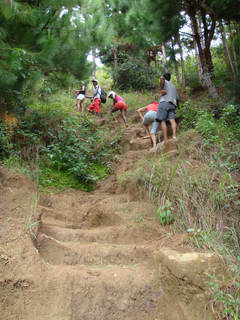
<point>205,26</point>
<point>49,19</point>
<point>211,31</point>
<point>187,34</point>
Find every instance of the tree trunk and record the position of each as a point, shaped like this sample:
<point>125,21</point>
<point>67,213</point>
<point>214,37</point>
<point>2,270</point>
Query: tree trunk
<point>200,72</point>
<point>164,57</point>
<point>175,61</point>
<point>183,77</point>
<point>115,57</point>
<point>227,54</point>
<point>177,72</point>
<point>208,60</point>
<point>204,53</point>
<point>233,49</point>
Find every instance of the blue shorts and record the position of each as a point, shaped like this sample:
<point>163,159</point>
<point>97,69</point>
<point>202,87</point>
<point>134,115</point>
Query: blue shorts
<point>149,117</point>
<point>166,111</point>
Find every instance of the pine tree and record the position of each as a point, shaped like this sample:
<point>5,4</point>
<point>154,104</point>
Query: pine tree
<point>47,40</point>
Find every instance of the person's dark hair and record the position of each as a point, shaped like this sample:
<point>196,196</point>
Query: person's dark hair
<point>167,76</point>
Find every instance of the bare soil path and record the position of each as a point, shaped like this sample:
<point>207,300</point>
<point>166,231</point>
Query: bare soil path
<point>101,256</point>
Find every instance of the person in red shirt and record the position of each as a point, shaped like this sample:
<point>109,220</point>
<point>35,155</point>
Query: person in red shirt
<point>118,105</point>
<point>148,116</point>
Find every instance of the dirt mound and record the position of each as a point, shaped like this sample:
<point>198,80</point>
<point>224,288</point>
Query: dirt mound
<point>100,255</point>
<point>17,205</point>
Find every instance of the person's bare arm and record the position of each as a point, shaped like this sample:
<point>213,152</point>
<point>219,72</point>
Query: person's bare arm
<point>111,110</point>
<point>140,112</point>
<point>162,83</point>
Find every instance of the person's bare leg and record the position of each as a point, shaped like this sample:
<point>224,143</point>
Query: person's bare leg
<point>153,133</point>
<point>164,130</point>
<point>81,106</point>
<point>123,115</point>
<point>112,114</point>
<point>174,128</point>
<point>148,132</point>
<point>78,105</point>
<point>154,142</point>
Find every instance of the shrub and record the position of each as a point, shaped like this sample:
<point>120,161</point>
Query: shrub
<point>78,147</point>
<point>56,140</point>
<point>165,213</point>
<point>188,114</point>
<point>191,72</point>
<point>221,137</point>
<point>207,127</point>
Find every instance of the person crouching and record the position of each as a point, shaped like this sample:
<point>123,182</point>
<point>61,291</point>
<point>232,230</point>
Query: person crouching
<point>118,105</point>
<point>148,115</point>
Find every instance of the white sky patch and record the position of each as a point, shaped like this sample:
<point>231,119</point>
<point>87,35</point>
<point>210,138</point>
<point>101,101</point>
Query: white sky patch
<point>97,60</point>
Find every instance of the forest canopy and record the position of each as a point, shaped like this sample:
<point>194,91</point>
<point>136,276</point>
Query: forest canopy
<point>44,45</point>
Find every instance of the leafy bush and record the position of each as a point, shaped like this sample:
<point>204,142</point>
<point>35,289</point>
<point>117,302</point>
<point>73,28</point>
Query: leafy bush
<point>58,141</point>
<point>191,72</point>
<point>188,114</point>
<point>165,213</point>
<point>208,127</point>
<point>78,147</point>
<point>221,136</point>
<point>5,144</point>
<point>231,118</point>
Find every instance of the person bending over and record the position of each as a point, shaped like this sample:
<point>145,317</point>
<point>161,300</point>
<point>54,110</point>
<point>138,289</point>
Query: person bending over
<point>118,105</point>
<point>149,117</point>
<point>166,109</point>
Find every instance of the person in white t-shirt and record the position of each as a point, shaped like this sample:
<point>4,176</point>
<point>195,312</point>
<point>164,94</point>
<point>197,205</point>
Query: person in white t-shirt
<point>95,106</point>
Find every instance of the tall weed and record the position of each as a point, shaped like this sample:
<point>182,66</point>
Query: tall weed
<point>198,198</point>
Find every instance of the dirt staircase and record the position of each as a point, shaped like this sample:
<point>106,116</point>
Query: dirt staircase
<point>107,259</point>
<point>99,255</point>
<point>106,247</point>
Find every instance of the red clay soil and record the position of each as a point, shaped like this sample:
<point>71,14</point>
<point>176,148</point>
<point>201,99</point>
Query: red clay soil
<point>95,256</point>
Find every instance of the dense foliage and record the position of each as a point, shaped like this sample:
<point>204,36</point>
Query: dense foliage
<point>135,74</point>
<point>55,141</point>
<point>43,47</point>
